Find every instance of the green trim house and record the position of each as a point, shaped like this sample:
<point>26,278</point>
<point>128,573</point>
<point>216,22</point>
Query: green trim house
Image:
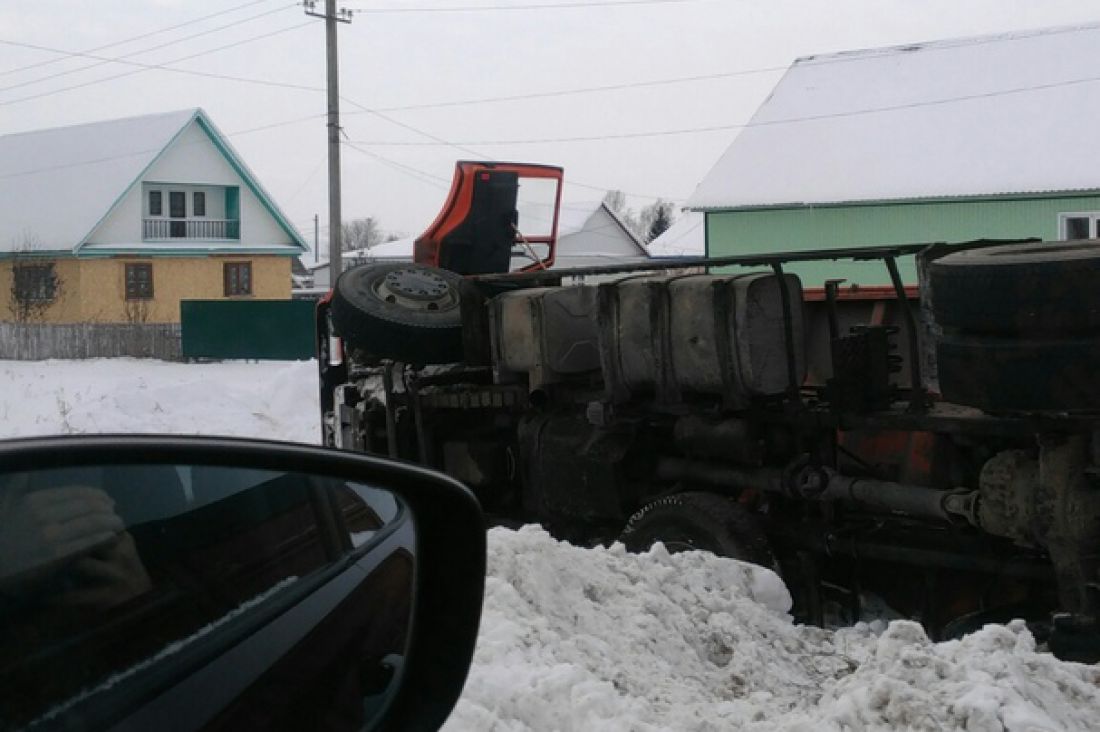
<point>990,137</point>
<point>119,221</point>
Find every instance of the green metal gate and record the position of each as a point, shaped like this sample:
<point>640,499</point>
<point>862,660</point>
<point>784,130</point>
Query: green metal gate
<point>254,329</point>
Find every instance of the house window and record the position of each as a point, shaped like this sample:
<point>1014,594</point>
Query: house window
<point>34,283</point>
<point>139,281</point>
<point>238,278</point>
<point>156,206</point>
<point>1079,225</point>
<point>198,207</point>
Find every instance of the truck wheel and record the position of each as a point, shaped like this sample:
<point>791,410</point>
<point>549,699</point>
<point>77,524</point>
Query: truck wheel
<point>689,521</point>
<point>1019,374</point>
<point>1011,289</point>
<point>406,312</point>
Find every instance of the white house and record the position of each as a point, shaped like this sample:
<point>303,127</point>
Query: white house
<point>119,220</point>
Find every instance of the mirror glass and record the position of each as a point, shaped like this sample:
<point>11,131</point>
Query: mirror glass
<point>119,580</point>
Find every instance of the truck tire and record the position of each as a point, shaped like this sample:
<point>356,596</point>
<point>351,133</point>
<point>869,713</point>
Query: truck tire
<point>1026,374</point>
<point>1019,288</point>
<point>704,521</point>
<point>405,312</point>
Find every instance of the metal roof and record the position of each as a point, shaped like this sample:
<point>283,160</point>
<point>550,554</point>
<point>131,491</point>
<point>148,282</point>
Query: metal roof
<point>1010,114</point>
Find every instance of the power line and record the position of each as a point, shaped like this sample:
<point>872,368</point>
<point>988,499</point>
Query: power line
<point>518,6</point>
<point>580,90</point>
<point>853,58</point>
<point>143,51</point>
<point>138,37</point>
<point>477,154</point>
<point>107,158</point>
<point>166,66</point>
<point>762,123</point>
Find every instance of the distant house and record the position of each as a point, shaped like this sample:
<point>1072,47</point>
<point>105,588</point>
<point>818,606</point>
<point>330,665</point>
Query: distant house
<point>990,137</point>
<point>589,235</point>
<point>592,235</point>
<point>118,221</point>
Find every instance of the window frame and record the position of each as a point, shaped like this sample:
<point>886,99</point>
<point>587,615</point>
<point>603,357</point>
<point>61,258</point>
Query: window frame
<point>1092,216</point>
<point>43,277</point>
<point>159,210</point>
<point>138,291</point>
<point>231,286</point>
<point>198,204</point>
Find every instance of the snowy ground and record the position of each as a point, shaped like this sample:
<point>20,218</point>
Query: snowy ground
<point>594,639</point>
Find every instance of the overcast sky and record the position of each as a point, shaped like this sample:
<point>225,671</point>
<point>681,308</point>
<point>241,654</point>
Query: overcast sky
<point>426,52</point>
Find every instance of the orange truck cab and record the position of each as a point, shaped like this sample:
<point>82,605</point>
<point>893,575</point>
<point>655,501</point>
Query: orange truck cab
<point>495,214</point>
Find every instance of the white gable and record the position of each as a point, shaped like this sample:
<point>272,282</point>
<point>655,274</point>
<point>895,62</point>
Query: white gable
<point>601,234</point>
<point>1013,113</point>
<point>55,185</point>
<point>685,238</point>
<point>192,159</point>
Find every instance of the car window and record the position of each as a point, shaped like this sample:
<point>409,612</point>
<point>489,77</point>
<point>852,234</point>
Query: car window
<point>107,572</point>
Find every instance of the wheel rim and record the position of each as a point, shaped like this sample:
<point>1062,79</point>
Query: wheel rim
<point>416,289</point>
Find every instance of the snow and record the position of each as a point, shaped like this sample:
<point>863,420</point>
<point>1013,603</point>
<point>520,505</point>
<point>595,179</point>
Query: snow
<point>1002,114</point>
<point>87,166</point>
<point>277,401</point>
<point>582,639</point>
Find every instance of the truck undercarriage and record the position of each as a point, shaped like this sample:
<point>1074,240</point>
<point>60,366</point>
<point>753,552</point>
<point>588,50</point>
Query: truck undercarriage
<point>937,446</point>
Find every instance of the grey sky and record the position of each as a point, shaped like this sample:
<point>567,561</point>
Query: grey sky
<point>399,59</point>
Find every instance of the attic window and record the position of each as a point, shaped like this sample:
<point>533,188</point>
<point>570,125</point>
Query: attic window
<point>1079,225</point>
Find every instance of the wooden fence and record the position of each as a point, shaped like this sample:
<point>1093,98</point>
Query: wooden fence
<point>37,341</point>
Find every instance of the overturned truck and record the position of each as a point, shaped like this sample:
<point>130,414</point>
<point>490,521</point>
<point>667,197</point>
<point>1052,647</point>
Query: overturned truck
<point>936,446</point>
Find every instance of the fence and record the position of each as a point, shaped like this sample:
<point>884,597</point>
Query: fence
<point>251,329</point>
<point>38,341</point>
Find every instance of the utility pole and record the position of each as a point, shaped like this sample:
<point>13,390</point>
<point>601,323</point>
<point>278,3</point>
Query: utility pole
<point>332,17</point>
<point>316,238</point>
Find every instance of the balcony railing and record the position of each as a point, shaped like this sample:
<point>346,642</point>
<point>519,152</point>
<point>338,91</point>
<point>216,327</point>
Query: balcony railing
<point>191,229</point>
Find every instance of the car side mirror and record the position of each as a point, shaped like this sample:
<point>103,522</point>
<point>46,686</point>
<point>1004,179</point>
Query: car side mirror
<point>231,584</point>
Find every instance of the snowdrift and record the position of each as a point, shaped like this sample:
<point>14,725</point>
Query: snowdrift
<point>598,639</point>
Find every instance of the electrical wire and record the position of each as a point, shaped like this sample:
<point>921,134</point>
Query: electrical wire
<point>133,153</point>
<point>518,6</point>
<point>138,37</point>
<point>476,153</point>
<point>747,125</point>
<point>143,51</point>
<point>166,66</point>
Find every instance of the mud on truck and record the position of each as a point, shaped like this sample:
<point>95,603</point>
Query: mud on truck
<point>937,446</point>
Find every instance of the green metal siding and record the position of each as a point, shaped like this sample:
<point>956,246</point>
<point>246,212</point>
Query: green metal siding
<point>828,227</point>
<point>260,329</point>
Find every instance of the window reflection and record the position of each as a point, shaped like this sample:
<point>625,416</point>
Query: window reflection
<point>105,571</point>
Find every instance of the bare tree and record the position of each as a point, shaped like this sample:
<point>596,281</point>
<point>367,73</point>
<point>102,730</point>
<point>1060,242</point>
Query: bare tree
<point>35,284</point>
<point>655,219</point>
<point>137,311</point>
<point>362,234</point>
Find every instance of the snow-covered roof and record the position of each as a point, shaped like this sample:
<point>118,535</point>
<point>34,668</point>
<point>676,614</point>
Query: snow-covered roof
<point>1006,114</point>
<point>686,237</point>
<point>57,184</point>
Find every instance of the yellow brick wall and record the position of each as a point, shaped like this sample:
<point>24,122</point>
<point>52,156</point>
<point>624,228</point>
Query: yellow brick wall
<point>94,290</point>
<point>66,306</point>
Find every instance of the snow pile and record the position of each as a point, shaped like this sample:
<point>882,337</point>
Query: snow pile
<point>990,680</point>
<point>598,639</point>
<point>273,400</point>
<point>582,639</point>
